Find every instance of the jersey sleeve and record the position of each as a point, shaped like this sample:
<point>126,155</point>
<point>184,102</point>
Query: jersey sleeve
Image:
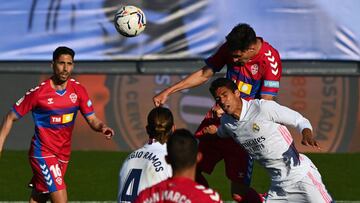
<point>26,103</point>
<point>209,119</point>
<point>272,73</point>
<point>218,60</point>
<point>86,105</point>
<point>284,115</point>
<point>222,131</point>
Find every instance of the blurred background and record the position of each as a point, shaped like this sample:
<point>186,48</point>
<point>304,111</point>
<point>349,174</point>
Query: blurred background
<point>319,43</point>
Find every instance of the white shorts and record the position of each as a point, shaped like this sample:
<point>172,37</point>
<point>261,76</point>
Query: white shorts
<point>309,190</point>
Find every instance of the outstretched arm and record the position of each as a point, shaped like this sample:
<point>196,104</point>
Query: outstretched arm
<point>286,116</point>
<point>195,79</point>
<point>99,126</point>
<point>6,126</point>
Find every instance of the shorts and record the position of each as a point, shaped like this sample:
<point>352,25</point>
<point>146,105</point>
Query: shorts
<point>309,189</point>
<point>238,164</point>
<point>48,174</point>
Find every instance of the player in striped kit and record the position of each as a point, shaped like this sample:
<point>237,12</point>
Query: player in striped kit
<point>54,105</point>
<point>147,166</point>
<point>259,126</point>
<point>256,68</point>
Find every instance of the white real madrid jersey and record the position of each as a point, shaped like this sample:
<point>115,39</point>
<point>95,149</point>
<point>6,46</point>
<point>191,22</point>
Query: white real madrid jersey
<point>142,169</point>
<point>261,131</point>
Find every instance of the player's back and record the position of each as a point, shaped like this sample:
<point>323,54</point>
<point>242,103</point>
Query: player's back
<point>142,169</point>
<point>178,189</point>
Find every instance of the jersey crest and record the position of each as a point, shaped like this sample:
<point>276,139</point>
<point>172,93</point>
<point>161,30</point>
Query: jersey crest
<point>73,97</point>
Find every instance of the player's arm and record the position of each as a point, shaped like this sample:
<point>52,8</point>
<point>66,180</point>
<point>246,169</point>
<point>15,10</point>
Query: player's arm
<point>272,75</point>
<point>99,126</point>
<point>195,79</point>
<point>214,130</point>
<point>6,126</point>
<point>286,116</point>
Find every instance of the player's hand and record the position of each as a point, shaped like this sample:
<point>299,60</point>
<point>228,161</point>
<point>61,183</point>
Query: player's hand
<point>108,132</point>
<point>308,139</point>
<point>160,98</point>
<point>217,111</point>
<point>211,129</point>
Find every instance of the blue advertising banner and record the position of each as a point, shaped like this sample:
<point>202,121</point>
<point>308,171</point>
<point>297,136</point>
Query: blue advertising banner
<point>319,29</point>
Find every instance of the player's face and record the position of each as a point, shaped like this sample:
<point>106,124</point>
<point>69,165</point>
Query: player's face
<point>241,57</point>
<point>63,67</point>
<point>228,100</point>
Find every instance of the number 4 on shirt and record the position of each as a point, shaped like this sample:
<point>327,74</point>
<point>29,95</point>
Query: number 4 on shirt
<point>130,190</point>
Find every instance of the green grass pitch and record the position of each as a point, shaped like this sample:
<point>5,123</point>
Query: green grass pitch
<point>93,176</point>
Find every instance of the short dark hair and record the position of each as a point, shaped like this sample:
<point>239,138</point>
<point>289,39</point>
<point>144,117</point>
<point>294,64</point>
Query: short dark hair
<point>182,148</point>
<point>222,82</point>
<point>160,121</point>
<point>63,50</point>
<point>241,37</point>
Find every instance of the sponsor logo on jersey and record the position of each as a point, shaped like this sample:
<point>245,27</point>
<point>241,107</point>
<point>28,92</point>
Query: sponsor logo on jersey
<point>61,119</point>
<point>244,87</point>
<point>50,100</point>
<point>271,83</point>
<point>254,69</point>
<point>89,103</point>
<point>19,101</point>
<point>73,97</point>
<point>255,128</point>
<point>59,180</point>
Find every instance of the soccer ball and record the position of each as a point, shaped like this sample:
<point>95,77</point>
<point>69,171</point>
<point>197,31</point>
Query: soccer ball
<point>130,21</point>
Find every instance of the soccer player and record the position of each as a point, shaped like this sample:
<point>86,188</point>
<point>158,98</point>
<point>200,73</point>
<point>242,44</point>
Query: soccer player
<point>182,155</point>
<point>147,166</point>
<point>54,105</point>
<point>256,68</point>
<point>259,126</point>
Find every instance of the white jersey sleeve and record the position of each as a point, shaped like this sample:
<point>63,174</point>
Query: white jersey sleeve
<point>142,169</point>
<point>284,115</point>
<point>222,132</point>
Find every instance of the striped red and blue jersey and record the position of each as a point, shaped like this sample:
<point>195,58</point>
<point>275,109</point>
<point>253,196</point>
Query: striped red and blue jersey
<point>259,76</point>
<point>54,114</point>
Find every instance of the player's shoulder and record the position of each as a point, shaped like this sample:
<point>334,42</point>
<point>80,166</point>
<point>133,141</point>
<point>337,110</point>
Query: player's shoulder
<point>207,194</point>
<point>38,88</point>
<point>265,105</point>
<point>261,104</point>
<point>266,47</point>
<point>268,53</point>
<point>75,83</point>
<point>198,191</point>
<point>156,147</point>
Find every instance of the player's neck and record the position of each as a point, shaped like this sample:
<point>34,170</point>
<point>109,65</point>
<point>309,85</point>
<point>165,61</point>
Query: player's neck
<point>238,110</point>
<point>185,173</point>
<point>58,85</point>
<point>258,45</point>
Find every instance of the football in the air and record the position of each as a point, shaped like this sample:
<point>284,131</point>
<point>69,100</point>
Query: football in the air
<point>130,21</point>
